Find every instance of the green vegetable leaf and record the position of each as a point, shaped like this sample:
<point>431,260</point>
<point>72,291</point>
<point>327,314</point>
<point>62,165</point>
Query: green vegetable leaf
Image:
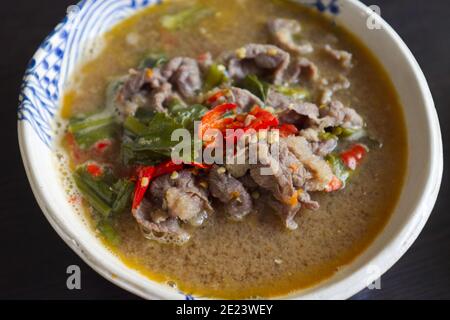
<point>144,115</point>
<point>186,116</point>
<point>153,60</point>
<point>257,87</point>
<point>338,167</point>
<point>89,130</point>
<point>124,191</point>
<point>107,230</point>
<point>215,76</point>
<point>294,92</point>
<point>187,16</point>
<point>105,193</point>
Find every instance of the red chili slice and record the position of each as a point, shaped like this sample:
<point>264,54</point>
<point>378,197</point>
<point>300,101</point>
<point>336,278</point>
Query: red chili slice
<point>142,184</point>
<point>264,119</point>
<point>353,157</point>
<point>215,97</point>
<point>287,130</point>
<point>334,185</point>
<point>166,168</point>
<point>94,170</point>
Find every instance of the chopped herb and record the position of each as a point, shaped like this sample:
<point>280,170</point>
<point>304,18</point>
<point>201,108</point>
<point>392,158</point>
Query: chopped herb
<point>257,87</point>
<point>153,60</point>
<point>215,76</point>
<point>107,230</point>
<point>339,169</point>
<point>89,130</point>
<point>294,92</point>
<point>106,194</point>
<point>187,16</point>
<point>324,135</point>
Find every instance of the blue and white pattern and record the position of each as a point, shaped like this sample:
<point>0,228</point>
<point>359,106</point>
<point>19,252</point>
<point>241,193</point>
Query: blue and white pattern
<point>56,58</point>
<point>64,48</point>
<point>60,52</point>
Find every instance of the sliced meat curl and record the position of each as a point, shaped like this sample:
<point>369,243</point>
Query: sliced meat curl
<point>283,32</point>
<point>230,192</point>
<point>184,74</point>
<point>329,88</point>
<point>302,69</point>
<point>157,225</point>
<point>321,173</point>
<point>180,196</point>
<point>335,114</point>
<point>266,61</point>
<point>244,99</point>
<point>341,56</point>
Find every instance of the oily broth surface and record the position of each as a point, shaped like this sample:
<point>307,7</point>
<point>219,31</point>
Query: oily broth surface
<point>258,257</point>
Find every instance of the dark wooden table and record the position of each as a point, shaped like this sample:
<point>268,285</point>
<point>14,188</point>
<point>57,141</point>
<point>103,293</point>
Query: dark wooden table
<point>34,259</point>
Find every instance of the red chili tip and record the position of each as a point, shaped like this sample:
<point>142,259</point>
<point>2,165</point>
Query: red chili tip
<point>94,170</point>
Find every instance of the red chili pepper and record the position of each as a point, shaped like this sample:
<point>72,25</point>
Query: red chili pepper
<point>217,112</point>
<point>353,157</point>
<point>94,170</point>
<point>102,145</point>
<point>213,119</point>
<point>215,97</point>
<point>334,185</point>
<point>202,57</point>
<point>77,153</point>
<point>166,168</point>
<point>146,174</point>
<point>287,130</point>
<point>264,119</point>
<point>200,165</point>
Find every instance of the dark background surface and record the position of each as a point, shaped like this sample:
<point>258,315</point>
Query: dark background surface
<point>34,259</point>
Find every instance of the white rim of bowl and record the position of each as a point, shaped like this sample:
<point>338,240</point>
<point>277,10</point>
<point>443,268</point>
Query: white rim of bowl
<point>338,290</point>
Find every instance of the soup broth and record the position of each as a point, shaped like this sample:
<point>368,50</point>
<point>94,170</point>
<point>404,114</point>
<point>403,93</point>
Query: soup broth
<point>257,257</point>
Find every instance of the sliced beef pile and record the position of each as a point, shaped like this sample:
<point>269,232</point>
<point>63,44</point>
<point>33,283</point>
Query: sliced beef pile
<point>330,87</point>
<point>244,99</point>
<point>266,61</point>
<point>300,69</point>
<point>284,173</point>
<point>335,114</point>
<point>231,192</point>
<point>287,169</point>
<point>173,199</point>
<point>284,32</point>
<point>154,89</point>
<point>184,74</point>
<point>344,58</point>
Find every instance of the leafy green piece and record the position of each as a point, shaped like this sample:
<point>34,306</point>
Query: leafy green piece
<point>105,193</point>
<point>144,115</point>
<point>132,156</point>
<point>89,130</point>
<point>294,92</point>
<point>186,116</point>
<point>324,135</point>
<point>153,60</point>
<point>215,76</point>
<point>95,200</point>
<point>338,167</point>
<point>124,191</point>
<point>107,230</point>
<point>184,17</point>
<point>150,143</point>
<point>135,127</point>
<point>257,87</point>
<point>343,132</point>
<point>161,126</point>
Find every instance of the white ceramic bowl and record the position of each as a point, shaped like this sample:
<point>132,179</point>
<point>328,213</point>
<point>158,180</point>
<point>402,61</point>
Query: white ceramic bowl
<point>65,47</point>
